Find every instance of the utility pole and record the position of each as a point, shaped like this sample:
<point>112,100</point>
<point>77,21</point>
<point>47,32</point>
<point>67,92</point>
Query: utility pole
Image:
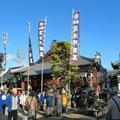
<point>41,37</point>
<point>75,46</point>
<point>28,58</point>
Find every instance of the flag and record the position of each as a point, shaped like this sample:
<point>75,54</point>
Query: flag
<point>41,35</point>
<point>30,53</point>
<point>75,37</point>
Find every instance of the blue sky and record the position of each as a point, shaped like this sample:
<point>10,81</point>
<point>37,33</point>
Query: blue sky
<point>99,26</point>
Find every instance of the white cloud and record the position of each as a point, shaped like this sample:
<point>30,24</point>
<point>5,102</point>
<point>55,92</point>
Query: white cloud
<point>10,57</point>
<point>13,60</point>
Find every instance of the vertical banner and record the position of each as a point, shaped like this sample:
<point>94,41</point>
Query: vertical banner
<point>75,37</point>
<point>5,42</point>
<point>31,61</point>
<point>41,35</point>
<point>30,53</point>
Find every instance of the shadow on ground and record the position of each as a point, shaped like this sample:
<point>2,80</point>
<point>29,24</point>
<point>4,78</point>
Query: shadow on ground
<point>5,117</point>
<point>69,116</point>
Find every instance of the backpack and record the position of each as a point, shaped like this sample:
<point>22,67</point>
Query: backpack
<point>27,105</point>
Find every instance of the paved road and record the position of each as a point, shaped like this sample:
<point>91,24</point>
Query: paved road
<point>71,116</point>
<point>40,116</point>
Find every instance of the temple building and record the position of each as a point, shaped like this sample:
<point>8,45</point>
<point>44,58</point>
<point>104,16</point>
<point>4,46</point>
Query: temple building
<point>90,69</point>
<point>33,72</point>
<point>114,75</point>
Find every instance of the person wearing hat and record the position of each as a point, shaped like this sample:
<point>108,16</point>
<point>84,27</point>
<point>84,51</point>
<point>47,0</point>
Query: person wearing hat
<point>113,109</point>
<point>3,99</point>
<point>12,103</point>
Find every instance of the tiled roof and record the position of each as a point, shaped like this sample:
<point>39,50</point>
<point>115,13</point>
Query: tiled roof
<point>82,60</point>
<point>116,65</point>
<point>85,61</point>
<point>116,62</point>
<point>33,70</point>
<point>113,72</point>
<point>19,69</point>
<point>37,68</point>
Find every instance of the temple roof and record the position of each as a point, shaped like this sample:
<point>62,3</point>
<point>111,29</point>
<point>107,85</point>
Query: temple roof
<point>18,69</point>
<point>113,72</point>
<point>116,64</point>
<point>85,60</point>
<point>36,68</point>
<point>33,70</point>
<point>82,59</point>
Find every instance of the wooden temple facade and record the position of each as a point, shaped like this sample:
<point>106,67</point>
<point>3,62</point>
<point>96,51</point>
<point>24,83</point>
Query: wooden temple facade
<point>33,73</point>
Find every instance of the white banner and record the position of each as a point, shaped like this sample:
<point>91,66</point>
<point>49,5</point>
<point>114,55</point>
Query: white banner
<point>75,36</point>
<point>41,36</point>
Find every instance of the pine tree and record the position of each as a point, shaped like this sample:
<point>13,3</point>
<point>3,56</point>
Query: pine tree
<point>61,66</point>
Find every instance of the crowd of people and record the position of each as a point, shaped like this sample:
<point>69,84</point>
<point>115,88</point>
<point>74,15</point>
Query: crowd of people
<point>53,103</point>
<point>14,100</point>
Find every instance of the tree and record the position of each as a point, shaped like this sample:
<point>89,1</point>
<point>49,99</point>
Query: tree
<point>61,66</point>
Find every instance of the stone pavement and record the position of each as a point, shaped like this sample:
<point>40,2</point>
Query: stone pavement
<point>73,116</point>
<point>70,116</point>
<point>40,116</point>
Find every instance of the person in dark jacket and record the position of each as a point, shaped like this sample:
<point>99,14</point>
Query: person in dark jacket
<point>113,109</point>
<point>42,98</point>
<point>49,102</point>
